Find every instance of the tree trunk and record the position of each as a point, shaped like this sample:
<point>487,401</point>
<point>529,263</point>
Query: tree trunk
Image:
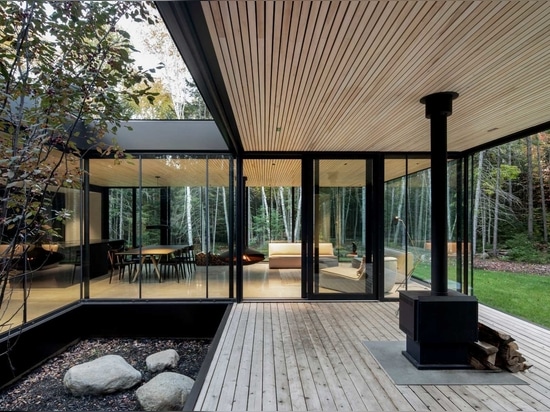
<point>496,206</point>
<point>215,219</point>
<point>226,215</point>
<point>542,194</point>
<point>283,212</point>
<point>529,188</point>
<point>120,215</point>
<point>188,212</point>
<point>477,198</point>
<point>266,211</point>
<point>510,192</point>
<point>400,208</point>
<point>297,225</point>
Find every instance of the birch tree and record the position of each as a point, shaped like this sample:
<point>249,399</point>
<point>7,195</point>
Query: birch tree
<point>267,212</point>
<point>530,208</point>
<point>477,201</point>
<point>497,204</point>
<point>284,212</point>
<point>297,223</point>
<point>542,191</point>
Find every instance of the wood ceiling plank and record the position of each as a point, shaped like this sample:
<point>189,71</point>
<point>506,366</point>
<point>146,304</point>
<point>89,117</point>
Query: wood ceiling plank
<point>247,24</point>
<point>302,83</point>
<point>323,102</point>
<point>240,33</point>
<point>259,14</point>
<point>281,28</point>
<point>322,28</point>
<point>293,49</point>
<point>409,49</point>
<point>403,19</point>
<point>343,31</point>
<point>217,18</point>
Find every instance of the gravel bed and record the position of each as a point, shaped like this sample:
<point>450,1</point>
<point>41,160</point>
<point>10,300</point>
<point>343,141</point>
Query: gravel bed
<point>43,390</point>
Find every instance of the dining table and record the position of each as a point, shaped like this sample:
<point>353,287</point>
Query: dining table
<point>154,253</point>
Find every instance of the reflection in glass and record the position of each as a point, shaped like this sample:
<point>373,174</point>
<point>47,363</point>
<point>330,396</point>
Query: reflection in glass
<point>177,201</point>
<point>340,228</point>
<point>273,209</point>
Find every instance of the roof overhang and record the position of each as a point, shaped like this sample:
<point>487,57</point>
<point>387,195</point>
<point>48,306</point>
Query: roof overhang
<point>347,76</point>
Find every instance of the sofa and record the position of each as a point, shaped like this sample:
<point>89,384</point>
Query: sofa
<point>346,279</point>
<point>351,278</point>
<point>405,263</point>
<point>289,255</point>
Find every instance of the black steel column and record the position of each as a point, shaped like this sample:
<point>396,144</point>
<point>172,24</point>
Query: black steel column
<point>239,230</point>
<point>438,107</point>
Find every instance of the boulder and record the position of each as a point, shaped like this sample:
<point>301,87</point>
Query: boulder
<point>167,359</point>
<point>167,391</point>
<point>107,374</point>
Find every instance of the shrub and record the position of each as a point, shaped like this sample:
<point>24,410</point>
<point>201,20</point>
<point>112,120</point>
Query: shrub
<point>522,249</point>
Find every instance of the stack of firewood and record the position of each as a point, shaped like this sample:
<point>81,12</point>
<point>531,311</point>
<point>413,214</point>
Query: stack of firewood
<point>496,350</point>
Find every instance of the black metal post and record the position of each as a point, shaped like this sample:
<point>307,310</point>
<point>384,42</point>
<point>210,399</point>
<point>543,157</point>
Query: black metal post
<point>438,107</point>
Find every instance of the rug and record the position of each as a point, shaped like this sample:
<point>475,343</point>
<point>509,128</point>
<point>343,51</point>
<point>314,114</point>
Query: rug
<point>402,372</point>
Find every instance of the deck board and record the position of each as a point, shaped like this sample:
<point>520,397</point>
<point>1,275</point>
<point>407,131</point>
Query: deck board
<point>311,356</point>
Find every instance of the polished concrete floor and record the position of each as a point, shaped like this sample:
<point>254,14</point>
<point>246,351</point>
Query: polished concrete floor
<point>53,288</point>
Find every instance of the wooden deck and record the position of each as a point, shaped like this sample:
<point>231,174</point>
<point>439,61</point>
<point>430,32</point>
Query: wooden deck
<point>310,356</point>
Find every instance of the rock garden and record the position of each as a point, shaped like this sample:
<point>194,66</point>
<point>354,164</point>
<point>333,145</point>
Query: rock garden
<point>111,375</point>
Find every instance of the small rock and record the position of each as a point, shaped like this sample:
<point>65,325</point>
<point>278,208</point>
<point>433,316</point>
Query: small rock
<point>107,374</point>
<point>167,391</point>
<point>157,362</point>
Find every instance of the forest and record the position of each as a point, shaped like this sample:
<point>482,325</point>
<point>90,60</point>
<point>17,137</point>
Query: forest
<point>508,191</point>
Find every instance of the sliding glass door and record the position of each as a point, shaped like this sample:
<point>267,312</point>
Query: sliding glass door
<point>342,264</point>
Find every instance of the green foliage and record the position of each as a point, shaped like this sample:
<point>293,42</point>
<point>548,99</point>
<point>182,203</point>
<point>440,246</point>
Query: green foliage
<point>522,249</point>
<point>65,72</point>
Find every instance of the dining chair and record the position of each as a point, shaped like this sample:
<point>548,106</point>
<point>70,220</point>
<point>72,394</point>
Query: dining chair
<point>120,262</point>
<point>188,258</point>
<point>173,264</point>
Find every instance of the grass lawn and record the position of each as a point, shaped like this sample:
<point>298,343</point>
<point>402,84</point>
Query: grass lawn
<point>522,295</point>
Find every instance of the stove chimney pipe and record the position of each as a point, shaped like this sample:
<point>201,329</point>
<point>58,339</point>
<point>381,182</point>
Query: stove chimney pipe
<point>438,107</point>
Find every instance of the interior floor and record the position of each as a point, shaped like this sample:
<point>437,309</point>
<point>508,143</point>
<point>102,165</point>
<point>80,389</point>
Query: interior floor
<point>53,288</point>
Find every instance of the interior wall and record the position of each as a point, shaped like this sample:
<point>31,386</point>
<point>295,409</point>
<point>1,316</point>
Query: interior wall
<point>72,227</point>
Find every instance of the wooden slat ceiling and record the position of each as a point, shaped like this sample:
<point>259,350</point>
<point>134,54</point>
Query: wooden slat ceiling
<point>180,172</point>
<point>348,75</point>
<point>167,171</point>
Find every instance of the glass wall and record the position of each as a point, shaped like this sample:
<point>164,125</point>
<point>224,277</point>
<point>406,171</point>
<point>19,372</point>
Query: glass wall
<point>169,220</point>
<point>42,272</point>
<point>407,222</point>
<point>341,265</point>
<point>273,232</point>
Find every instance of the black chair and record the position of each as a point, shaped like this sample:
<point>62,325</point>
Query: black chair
<point>174,264</point>
<point>120,262</point>
<point>188,259</point>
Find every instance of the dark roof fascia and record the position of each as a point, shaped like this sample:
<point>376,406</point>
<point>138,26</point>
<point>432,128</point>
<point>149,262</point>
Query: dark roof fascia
<point>509,138</point>
<point>187,26</point>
